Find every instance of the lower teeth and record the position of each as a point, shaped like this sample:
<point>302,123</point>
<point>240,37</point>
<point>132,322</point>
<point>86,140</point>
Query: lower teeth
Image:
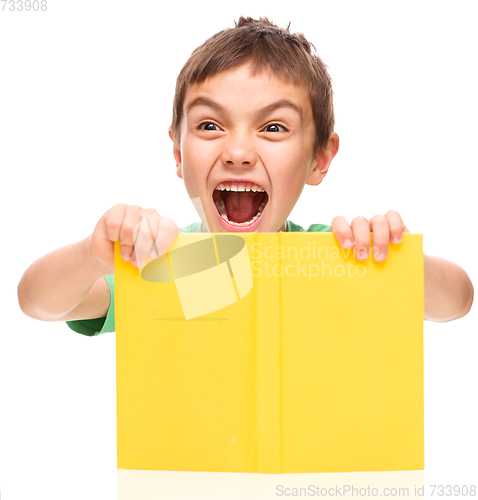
<point>222,211</point>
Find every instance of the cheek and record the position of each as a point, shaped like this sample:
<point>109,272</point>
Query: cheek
<point>288,176</point>
<point>198,155</point>
<point>287,187</point>
<point>290,172</point>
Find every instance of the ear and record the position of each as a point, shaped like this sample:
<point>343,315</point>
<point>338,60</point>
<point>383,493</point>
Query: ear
<point>177,154</point>
<point>323,160</point>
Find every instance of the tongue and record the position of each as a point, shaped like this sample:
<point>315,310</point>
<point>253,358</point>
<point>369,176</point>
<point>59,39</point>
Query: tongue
<point>241,206</point>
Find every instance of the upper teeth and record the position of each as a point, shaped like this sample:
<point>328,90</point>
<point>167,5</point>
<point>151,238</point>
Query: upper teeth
<point>239,186</point>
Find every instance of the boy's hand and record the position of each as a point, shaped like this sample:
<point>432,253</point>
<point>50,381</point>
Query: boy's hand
<point>385,228</point>
<point>142,232</point>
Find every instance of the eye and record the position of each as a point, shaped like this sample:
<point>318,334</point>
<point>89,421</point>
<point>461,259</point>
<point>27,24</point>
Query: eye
<point>209,126</point>
<point>275,127</point>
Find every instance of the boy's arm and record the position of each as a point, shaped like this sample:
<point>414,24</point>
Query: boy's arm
<point>448,290</point>
<point>67,284</point>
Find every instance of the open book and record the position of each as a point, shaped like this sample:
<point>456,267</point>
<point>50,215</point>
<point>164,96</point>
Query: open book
<point>270,352</point>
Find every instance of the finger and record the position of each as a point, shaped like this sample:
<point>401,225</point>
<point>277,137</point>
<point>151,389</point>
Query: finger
<point>134,261</point>
<point>166,233</point>
<point>131,216</point>
<point>361,233</point>
<point>144,237</point>
<point>381,237</point>
<point>143,215</point>
<point>153,236</point>
<point>396,226</point>
<point>153,222</point>
<point>342,231</point>
<point>154,252</point>
<point>112,221</point>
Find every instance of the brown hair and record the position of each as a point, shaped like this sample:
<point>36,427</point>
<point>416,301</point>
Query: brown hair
<point>287,55</point>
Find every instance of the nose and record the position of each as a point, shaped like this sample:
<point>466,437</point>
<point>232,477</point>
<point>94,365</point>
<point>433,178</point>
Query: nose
<point>239,152</point>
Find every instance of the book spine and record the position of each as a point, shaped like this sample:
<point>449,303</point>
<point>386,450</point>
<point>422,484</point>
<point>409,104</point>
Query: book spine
<point>269,355</point>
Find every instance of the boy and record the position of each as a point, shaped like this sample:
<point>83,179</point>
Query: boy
<point>253,122</point>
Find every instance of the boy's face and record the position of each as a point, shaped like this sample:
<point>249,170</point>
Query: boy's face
<point>253,136</point>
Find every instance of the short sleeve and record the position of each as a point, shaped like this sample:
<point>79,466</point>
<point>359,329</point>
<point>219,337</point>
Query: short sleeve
<point>97,326</point>
<point>319,228</point>
<point>314,228</point>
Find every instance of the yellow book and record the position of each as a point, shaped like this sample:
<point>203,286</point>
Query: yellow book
<point>270,352</point>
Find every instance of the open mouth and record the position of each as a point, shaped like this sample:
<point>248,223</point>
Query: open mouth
<point>240,203</point>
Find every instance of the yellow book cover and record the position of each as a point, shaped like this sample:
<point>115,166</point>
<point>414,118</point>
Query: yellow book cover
<point>270,352</point>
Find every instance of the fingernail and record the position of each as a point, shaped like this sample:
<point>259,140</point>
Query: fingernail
<point>362,255</point>
<point>381,257</point>
<point>396,240</point>
<point>347,244</point>
<point>126,256</point>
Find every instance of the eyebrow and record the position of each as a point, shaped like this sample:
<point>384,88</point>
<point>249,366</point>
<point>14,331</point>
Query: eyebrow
<point>204,101</point>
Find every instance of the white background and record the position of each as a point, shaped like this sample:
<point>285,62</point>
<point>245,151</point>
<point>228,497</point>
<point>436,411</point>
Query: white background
<point>86,93</point>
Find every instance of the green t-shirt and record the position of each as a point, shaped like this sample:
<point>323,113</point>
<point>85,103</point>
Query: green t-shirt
<point>97,326</point>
